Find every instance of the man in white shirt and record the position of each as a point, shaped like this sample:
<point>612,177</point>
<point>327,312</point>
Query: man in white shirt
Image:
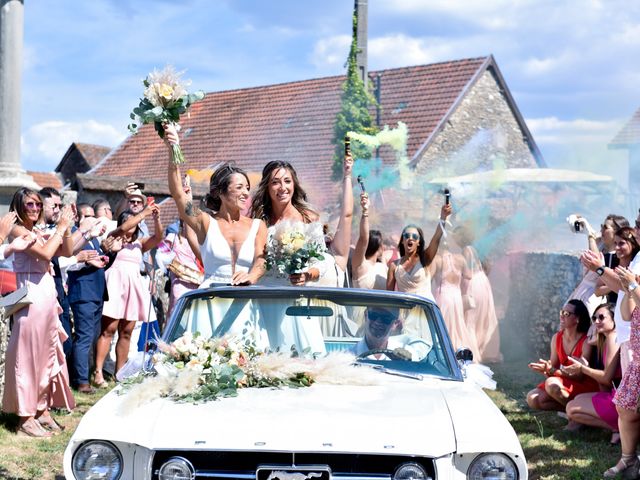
<point>377,339</point>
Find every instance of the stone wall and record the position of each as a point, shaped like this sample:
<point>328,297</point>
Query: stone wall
<point>481,134</point>
<point>539,285</point>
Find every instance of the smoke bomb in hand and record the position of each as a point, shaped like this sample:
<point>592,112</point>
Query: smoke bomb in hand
<point>347,145</point>
<point>447,196</point>
<point>361,183</point>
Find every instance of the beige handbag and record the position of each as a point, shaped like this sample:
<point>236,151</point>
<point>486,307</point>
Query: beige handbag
<point>184,273</point>
<point>14,301</point>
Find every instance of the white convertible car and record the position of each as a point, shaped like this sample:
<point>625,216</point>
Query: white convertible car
<point>399,409</point>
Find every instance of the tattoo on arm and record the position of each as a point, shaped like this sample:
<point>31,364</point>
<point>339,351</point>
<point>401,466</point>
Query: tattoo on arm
<point>190,210</point>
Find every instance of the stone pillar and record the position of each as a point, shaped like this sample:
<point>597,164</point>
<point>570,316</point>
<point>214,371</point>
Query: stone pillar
<point>12,176</point>
<point>361,39</point>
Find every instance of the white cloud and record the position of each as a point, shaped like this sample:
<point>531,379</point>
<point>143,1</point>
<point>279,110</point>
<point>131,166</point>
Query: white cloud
<point>579,130</point>
<point>331,51</point>
<point>45,143</point>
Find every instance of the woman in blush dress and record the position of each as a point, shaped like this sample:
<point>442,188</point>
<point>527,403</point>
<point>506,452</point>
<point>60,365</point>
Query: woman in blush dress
<point>129,301</point>
<point>480,312</point>
<point>36,377</point>
<point>368,269</point>
<point>410,273</point>
<point>184,255</point>
<point>448,293</point>
<point>231,245</point>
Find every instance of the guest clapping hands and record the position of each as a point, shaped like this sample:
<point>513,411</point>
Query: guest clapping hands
<point>19,244</point>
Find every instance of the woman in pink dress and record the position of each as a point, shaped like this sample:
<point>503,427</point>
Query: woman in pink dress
<point>129,301</point>
<point>184,255</point>
<point>480,312</point>
<point>448,295</point>
<point>36,377</point>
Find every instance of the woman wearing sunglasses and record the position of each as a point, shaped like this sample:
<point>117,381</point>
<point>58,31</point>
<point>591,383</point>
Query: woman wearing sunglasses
<point>36,377</point>
<point>569,341</point>
<point>410,273</point>
<point>596,409</point>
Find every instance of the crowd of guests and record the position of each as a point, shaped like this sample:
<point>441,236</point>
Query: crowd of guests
<point>90,272</point>
<point>593,370</point>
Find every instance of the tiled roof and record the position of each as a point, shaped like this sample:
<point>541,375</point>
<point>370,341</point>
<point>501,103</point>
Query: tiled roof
<point>152,186</point>
<point>92,153</point>
<point>46,179</point>
<point>294,122</point>
<point>630,133</point>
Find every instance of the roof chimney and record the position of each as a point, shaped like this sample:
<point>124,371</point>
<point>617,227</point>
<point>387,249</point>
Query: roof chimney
<point>361,39</point>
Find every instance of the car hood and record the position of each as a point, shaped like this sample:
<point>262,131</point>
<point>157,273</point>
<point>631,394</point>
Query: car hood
<point>400,416</point>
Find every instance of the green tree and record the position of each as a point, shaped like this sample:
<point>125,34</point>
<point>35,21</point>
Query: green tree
<point>354,115</point>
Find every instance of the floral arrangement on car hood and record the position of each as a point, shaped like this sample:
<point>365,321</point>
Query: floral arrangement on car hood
<point>198,369</point>
<point>293,245</point>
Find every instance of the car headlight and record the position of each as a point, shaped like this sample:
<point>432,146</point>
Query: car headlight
<point>97,460</point>
<point>176,468</point>
<point>492,466</point>
<point>410,471</point>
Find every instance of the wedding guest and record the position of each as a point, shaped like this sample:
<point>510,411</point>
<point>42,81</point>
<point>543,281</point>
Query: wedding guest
<point>104,213</point>
<point>52,205</point>
<point>369,269</point>
<point>605,244</point>
<point>279,197</point>
<point>36,377</point>
<point>184,271</point>
<point>231,245</point>
<point>410,273</point>
<point>477,298</point>
<point>18,244</point>
<point>86,293</point>
<point>340,246</point>
<point>596,409</point>
<point>627,395</point>
<point>448,268</point>
<point>129,299</point>
<point>84,211</point>
<point>595,262</point>
<point>569,341</point>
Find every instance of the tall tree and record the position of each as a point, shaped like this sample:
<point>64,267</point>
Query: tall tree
<point>354,115</point>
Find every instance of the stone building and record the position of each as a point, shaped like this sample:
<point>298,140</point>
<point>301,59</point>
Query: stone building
<point>629,139</point>
<point>79,158</point>
<point>460,115</point>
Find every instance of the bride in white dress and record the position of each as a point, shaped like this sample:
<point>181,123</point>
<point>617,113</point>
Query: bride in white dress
<point>232,246</point>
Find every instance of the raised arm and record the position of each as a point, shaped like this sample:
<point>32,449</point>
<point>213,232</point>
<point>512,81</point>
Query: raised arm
<point>363,239</point>
<point>149,243</point>
<point>432,248</point>
<point>632,297</point>
<point>189,213</point>
<point>342,239</point>
<point>595,262</point>
<point>59,243</point>
<point>391,275</point>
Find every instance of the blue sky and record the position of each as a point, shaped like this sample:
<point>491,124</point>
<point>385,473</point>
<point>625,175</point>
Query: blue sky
<point>572,66</point>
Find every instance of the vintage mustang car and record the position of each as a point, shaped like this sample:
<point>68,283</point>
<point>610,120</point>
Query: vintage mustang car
<point>399,408</point>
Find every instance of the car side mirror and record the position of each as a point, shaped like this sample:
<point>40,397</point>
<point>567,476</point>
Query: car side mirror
<point>463,355</point>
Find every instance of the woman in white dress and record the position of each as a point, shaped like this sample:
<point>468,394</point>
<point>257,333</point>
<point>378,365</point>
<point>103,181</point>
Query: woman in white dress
<point>231,245</point>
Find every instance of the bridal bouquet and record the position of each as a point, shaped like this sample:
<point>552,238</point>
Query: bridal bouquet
<point>293,245</point>
<point>165,99</point>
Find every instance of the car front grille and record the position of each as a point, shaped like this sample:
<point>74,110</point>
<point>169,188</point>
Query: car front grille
<point>243,465</point>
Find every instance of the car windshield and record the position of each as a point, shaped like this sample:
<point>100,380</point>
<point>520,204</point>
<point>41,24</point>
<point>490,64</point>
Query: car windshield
<point>394,332</point>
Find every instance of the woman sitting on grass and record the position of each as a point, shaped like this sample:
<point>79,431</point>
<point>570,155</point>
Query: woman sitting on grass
<point>596,409</point>
<point>570,341</point>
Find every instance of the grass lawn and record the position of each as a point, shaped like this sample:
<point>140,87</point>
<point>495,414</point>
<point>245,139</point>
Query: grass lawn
<point>552,453</point>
